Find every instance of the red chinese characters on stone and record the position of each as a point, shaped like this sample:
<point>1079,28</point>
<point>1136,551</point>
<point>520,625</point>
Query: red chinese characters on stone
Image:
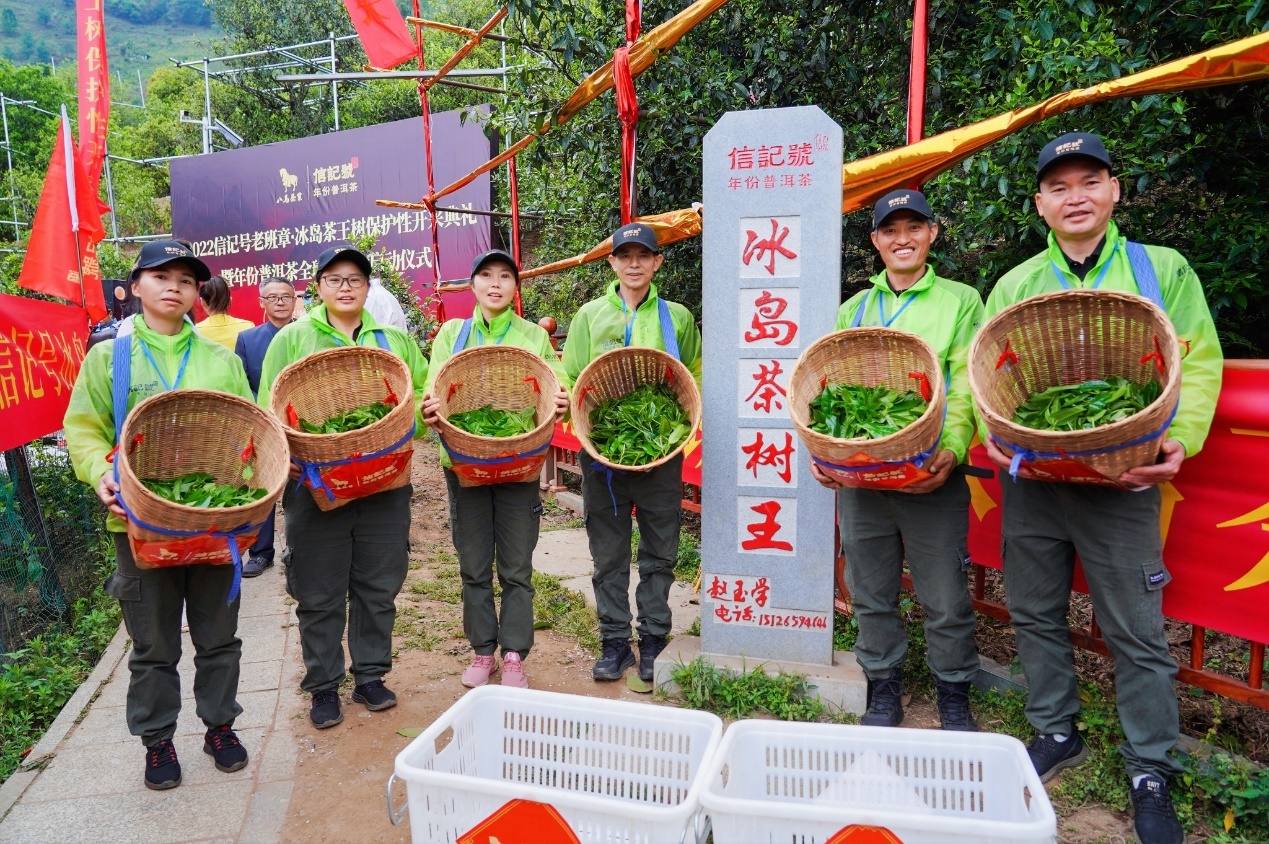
<point>766,248</point>
<point>767,392</point>
<point>768,156</point>
<point>763,453</point>
<point>766,323</point>
<point>762,534</point>
<point>717,589</point>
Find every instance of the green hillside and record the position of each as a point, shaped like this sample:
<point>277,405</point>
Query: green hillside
<point>140,35</point>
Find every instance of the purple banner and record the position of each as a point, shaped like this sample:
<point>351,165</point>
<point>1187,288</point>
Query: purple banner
<point>272,209</point>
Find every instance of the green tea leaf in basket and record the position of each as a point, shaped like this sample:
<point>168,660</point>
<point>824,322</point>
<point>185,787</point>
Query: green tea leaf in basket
<point>349,420</point>
<point>199,489</point>
<point>640,427</point>
<point>489,421</point>
<point>850,411</point>
<point>1088,404</point>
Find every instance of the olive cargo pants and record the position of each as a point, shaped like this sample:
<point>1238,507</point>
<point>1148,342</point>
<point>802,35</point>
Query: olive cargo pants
<point>1116,535</point>
<point>151,601</point>
<point>346,565</point>
<point>879,529</point>
<point>656,498</point>
<point>497,525</point>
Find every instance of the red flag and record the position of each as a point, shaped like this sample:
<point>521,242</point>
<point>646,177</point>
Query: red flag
<point>65,233</point>
<point>382,31</point>
<point>94,89</point>
<point>41,348</point>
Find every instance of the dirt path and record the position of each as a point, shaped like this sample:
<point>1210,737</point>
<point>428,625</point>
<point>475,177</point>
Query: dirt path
<point>341,772</point>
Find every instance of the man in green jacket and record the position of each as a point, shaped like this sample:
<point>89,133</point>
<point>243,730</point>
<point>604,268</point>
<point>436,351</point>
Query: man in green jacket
<point>631,314</point>
<point>346,565</point>
<point>927,522</point>
<point>1114,531</point>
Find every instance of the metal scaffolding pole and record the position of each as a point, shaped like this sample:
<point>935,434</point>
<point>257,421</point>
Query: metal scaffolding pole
<point>110,197</point>
<point>334,83</point>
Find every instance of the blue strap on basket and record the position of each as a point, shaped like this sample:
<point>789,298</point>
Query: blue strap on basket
<point>608,472</point>
<point>1021,454</point>
<point>122,383</point>
<point>459,457</point>
<point>918,460</point>
<point>311,472</point>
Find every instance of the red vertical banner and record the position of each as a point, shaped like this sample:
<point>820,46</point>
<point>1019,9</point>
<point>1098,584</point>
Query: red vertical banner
<point>94,89</point>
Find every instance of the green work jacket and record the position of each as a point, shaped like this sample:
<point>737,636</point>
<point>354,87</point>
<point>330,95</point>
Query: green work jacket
<point>506,329</point>
<point>313,333</point>
<point>600,326</point>
<point>1183,299</point>
<point>90,417</point>
<point>943,313</point>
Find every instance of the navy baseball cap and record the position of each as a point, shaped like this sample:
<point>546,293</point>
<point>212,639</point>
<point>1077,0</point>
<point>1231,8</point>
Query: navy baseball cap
<point>640,233</point>
<point>156,253</point>
<point>342,253</point>
<point>1072,145</point>
<point>904,199</point>
<point>495,255</point>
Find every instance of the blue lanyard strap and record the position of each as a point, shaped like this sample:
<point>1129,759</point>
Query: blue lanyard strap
<point>498,342</point>
<point>1061,277</point>
<point>881,308</point>
<point>380,337</point>
<point>180,372</point>
<point>668,338</point>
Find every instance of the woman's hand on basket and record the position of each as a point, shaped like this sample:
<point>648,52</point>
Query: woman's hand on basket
<point>432,412</point>
<point>561,403</point>
<point>940,469</point>
<point>107,491</point>
<point>824,479</point>
<point>1172,455</point>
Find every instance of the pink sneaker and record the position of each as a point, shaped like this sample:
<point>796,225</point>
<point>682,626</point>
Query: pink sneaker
<point>513,671</point>
<point>477,674</point>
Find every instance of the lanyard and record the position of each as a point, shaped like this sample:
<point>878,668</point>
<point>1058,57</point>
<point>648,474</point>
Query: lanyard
<point>881,307</point>
<point>180,372</point>
<point>1100,276</point>
<point>629,322</point>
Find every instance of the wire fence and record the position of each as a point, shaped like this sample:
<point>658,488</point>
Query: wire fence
<point>54,550</point>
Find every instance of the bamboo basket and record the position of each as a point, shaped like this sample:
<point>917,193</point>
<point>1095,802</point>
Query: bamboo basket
<point>621,371</point>
<point>333,381</point>
<point>1065,338</point>
<point>870,357</point>
<point>182,431</point>
<point>509,379</point>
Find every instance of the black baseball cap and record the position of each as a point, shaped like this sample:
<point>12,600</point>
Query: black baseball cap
<point>156,253</point>
<point>904,199</point>
<point>495,255</point>
<point>1072,145</point>
<point>342,253</point>
<point>640,233</point>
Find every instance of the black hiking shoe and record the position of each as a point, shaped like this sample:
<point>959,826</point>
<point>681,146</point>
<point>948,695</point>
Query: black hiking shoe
<point>375,695</point>
<point>325,711</point>
<point>222,743</point>
<point>885,701</point>
<point>617,657</point>
<point>953,704</point>
<point>255,566</point>
<point>1155,819</point>
<point>1049,756</point>
<point>162,771</point>
<point>650,648</point>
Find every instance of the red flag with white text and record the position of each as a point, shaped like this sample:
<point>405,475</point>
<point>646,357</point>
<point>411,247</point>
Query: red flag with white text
<point>61,257</point>
<point>382,31</point>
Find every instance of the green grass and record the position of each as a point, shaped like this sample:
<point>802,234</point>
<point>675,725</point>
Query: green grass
<point>733,694</point>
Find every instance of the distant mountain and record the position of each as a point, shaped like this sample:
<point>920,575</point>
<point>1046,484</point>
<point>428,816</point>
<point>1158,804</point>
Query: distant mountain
<point>141,35</point>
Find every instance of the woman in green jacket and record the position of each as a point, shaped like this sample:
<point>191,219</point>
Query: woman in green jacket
<point>346,565</point>
<point>495,523</point>
<point>165,353</point>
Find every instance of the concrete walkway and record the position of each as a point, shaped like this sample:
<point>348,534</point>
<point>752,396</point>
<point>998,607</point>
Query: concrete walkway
<point>83,782</point>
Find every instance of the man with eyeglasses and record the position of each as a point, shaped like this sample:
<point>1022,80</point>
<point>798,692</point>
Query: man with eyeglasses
<point>277,297</point>
<point>346,565</point>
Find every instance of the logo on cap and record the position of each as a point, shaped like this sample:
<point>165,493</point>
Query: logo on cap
<point>1069,146</point>
<point>174,250</point>
<point>899,200</point>
<point>632,232</point>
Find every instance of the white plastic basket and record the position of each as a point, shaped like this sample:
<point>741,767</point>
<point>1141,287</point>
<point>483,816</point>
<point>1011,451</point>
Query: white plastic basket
<point>617,772</point>
<point>783,782</point>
